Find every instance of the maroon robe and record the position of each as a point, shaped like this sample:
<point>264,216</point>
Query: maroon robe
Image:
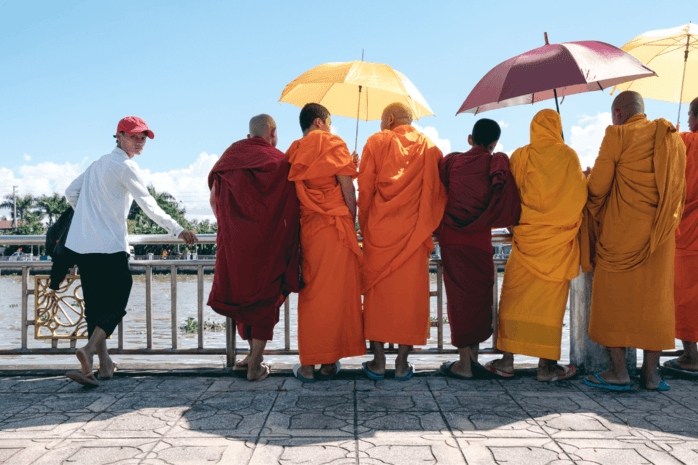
<point>257,263</point>
<point>481,195</point>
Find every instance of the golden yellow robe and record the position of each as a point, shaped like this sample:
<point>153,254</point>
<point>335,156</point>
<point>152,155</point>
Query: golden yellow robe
<point>545,252</point>
<point>401,203</point>
<point>636,197</point>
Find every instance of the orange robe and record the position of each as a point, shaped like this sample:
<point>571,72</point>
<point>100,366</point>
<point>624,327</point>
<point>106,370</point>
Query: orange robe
<point>330,323</point>
<point>545,247</point>
<point>401,203</point>
<point>636,196</point>
<point>686,258</point>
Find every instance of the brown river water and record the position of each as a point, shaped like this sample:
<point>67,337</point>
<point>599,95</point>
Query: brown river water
<point>135,325</point>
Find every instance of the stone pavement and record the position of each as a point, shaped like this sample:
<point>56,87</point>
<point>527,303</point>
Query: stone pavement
<point>149,419</point>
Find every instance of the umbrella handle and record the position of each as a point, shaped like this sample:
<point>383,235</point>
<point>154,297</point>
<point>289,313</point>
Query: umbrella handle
<point>358,109</point>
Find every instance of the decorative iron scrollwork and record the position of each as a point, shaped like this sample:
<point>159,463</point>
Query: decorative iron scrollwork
<point>59,314</point>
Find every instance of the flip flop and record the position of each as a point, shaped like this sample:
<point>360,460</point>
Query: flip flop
<point>490,369</point>
<point>608,386</point>
<point>662,387</point>
<point>570,371</point>
<point>104,374</point>
<point>370,374</point>
<point>409,374</point>
<point>300,378</point>
<point>677,370</point>
<point>321,377</point>
<point>240,367</point>
<point>267,370</point>
<point>82,378</point>
<point>446,370</point>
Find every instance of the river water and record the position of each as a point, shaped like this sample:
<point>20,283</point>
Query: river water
<point>135,325</point>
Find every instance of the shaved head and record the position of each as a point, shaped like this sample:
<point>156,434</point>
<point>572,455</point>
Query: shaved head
<point>396,114</point>
<point>693,115</point>
<point>263,126</point>
<point>626,105</point>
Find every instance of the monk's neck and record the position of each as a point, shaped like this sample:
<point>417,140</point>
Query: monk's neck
<point>635,118</point>
<point>309,130</point>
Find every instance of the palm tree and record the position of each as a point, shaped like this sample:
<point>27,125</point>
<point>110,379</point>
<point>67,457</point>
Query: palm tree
<point>24,206</point>
<point>52,206</point>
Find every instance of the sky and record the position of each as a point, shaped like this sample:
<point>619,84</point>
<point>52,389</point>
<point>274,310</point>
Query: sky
<point>196,72</point>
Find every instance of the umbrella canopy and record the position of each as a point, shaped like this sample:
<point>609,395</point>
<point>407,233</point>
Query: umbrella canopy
<point>336,86</point>
<point>562,69</point>
<point>673,53</point>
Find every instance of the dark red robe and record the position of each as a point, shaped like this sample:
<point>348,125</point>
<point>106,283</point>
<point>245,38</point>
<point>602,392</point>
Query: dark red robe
<point>257,263</point>
<point>481,195</point>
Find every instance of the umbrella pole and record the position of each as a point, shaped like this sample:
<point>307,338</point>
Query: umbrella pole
<point>558,111</point>
<point>683,78</point>
<point>358,109</point>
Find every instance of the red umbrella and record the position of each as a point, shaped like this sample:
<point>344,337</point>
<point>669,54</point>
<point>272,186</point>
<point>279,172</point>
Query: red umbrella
<point>543,73</point>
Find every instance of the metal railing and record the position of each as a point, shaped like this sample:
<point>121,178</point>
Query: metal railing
<point>230,349</point>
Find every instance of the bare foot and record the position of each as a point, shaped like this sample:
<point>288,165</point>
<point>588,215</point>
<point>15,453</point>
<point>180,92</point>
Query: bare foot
<point>610,378</point>
<point>376,367</point>
<point>651,379</point>
<point>258,373</point>
<point>85,360</point>
<point>107,368</point>
<point>307,371</point>
<point>684,362</point>
<point>402,367</point>
<point>241,365</point>
<point>548,372</point>
<point>328,369</point>
<point>463,369</point>
<point>502,366</point>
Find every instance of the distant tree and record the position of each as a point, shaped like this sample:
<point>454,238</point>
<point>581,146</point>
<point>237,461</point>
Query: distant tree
<point>139,223</point>
<point>24,205</point>
<point>52,206</point>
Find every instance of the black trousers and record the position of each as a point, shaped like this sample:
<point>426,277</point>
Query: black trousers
<point>106,286</point>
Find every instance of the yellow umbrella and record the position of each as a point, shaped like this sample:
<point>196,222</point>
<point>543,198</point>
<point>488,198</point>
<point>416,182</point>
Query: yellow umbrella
<point>355,89</point>
<point>673,55</point>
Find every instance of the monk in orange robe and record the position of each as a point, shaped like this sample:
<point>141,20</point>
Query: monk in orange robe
<point>257,263</point>
<point>401,203</point>
<point>330,325</point>
<point>545,251</point>
<point>686,259</point>
<point>636,197</point>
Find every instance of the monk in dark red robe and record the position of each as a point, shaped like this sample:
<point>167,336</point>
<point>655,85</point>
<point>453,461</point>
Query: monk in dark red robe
<point>481,195</point>
<point>257,263</point>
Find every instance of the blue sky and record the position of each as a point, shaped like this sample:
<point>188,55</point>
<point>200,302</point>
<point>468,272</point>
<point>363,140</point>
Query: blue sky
<point>197,71</point>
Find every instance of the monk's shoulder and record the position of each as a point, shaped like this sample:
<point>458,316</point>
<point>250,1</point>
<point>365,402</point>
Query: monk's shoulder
<point>379,138</point>
<point>292,149</point>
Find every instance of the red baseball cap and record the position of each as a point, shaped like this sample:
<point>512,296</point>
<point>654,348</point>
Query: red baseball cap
<point>133,125</point>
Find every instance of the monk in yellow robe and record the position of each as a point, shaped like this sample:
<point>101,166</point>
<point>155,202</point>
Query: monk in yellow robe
<point>330,323</point>
<point>545,251</point>
<point>636,197</point>
<point>401,203</point>
<point>686,259</point>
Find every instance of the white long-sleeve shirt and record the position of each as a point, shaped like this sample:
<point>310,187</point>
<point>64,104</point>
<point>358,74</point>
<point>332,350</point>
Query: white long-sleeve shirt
<point>101,198</point>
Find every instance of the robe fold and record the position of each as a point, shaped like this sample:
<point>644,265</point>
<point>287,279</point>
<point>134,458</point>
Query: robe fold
<point>330,324</point>
<point>481,195</point>
<point>636,197</point>
<point>686,259</point>
<point>545,249</point>
<point>257,262</point>
<point>401,202</point>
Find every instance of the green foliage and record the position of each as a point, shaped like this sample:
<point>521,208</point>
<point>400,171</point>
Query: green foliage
<point>191,326</point>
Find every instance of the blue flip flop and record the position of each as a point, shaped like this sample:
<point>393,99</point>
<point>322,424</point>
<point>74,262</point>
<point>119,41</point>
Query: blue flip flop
<point>370,374</point>
<point>661,387</point>
<point>409,374</point>
<point>677,370</point>
<point>301,378</point>
<point>608,386</point>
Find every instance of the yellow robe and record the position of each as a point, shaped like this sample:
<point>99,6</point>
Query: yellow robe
<point>545,252</point>
<point>401,203</point>
<point>636,197</point>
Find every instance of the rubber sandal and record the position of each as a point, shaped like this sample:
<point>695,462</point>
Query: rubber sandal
<point>239,367</point>
<point>446,371</point>
<point>300,378</point>
<point>490,369</point>
<point>409,374</point>
<point>608,386</point>
<point>662,387</point>
<point>104,374</point>
<point>321,377</point>
<point>370,374</point>
<point>82,378</point>
<point>570,372</point>
<point>267,370</point>
<point>674,369</point>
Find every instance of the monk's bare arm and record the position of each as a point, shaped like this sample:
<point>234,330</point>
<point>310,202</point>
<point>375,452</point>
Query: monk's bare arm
<point>212,199</point>
<point>349,193</point>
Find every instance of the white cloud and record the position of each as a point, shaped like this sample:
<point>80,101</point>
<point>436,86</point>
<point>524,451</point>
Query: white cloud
<point>586,137</point>
<point>503,124</point>
<point>334,130</point>
<point>40,179</point>
<point>443,144</point>
<point>27,157</point>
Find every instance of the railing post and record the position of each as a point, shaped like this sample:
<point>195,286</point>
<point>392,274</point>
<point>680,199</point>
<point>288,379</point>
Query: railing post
<point>229,342</point>
<point>495,308</point>
<point>440,304</point>
<point>173,304</point>
<point>200,301</point>
<point>149,306</point>
<point>25,305</point>
<point>287,323</point>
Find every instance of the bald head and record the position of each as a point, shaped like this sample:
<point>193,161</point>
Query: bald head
<point>263,126</point>
<point>626,105</point>
<point>394,115</point>
<point>693,116</point>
